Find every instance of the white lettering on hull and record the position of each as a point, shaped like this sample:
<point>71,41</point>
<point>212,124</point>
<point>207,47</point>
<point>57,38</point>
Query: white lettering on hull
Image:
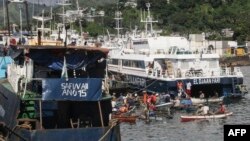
<point>74,89</point>
<point>206,81</point>
<point>137,81</point>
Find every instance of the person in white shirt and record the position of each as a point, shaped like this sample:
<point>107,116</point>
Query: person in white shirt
<point>202,110</point>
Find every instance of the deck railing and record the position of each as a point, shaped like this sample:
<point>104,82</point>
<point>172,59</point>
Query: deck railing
<point>186,74</point>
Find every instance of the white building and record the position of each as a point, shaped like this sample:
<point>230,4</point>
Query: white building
<point>198,42</point>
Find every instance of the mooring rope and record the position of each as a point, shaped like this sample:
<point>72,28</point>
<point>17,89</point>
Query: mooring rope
<point>113,123</point>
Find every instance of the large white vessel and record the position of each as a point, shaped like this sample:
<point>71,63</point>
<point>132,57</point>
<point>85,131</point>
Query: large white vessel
<point>158,63</point>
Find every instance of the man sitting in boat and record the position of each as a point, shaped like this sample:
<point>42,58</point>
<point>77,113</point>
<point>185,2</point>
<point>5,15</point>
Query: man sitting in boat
<point>165,97</point>
<point>222,109</point>
<point>177,102</point>
<point>130,101</point>
<point>202,110</point>
<point>124,108</point>
<point>113,103</point>
<point>216,95</point>
<point>202,95</point>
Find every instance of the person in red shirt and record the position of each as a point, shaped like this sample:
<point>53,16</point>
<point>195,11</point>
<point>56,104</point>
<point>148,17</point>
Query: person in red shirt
<point>153,98</point>
<point>222,109</point>
<point>179,85</point>
<point>145,97</point>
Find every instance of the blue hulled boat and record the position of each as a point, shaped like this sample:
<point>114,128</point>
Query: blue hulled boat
<point>55,93</point>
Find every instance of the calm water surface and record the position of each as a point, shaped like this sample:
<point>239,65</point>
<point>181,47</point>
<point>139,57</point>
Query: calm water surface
<point>206,130</point>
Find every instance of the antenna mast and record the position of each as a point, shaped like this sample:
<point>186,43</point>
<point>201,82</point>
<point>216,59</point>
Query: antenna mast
<point>118,19</point>
<point>148,20</point>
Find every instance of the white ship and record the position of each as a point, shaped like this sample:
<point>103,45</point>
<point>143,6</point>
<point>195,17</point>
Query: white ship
<point>157,63</point>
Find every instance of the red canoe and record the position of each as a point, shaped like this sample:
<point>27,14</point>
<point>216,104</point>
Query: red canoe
<point>125,118</point>
<point>191,118</point>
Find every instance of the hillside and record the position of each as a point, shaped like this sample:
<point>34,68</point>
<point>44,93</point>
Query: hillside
<point>178,16</point>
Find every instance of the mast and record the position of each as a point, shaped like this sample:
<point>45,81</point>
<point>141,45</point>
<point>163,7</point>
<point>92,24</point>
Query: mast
<point>78,10</point>
<point>148,20</point>
<point>118,19</point>
<point>4,22</point>
<point>63,3</point>
<point>43,20</point>
<point>21,25</point>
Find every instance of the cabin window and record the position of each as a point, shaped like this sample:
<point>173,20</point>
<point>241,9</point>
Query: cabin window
<point>140,42</point>
<point>113,61</point>
<point>133,63</point>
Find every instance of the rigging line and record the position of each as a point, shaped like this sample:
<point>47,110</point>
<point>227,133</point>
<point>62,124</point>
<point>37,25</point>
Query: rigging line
<point>144,87</point>
<point>147,86</point>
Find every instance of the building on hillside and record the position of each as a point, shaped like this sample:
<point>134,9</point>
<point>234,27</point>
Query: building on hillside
<point>227,32</point>
<point>199,43</point>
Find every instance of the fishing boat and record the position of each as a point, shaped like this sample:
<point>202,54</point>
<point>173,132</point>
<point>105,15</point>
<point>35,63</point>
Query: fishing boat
<point>201,117</point>
<point>55,93</point>
<point>196,101</point>
<point>158,63</point>
<point>125,118</point>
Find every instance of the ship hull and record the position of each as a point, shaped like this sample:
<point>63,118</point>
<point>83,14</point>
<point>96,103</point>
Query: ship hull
<point>224,86</point>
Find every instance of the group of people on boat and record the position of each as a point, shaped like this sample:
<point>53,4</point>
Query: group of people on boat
<point>123,104</point>
<point>150,101</point>
<point>205,110</point>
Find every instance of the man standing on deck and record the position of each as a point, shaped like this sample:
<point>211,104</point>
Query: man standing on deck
<point>188,88</point>
<point>179,85</point>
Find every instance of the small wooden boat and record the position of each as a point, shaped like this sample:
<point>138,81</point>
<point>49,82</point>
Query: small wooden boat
<point>196,101</point>
<point>191,117</point>
<point>125,118</point>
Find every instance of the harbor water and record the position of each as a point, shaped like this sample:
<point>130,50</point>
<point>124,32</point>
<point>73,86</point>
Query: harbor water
<point>203,130</point>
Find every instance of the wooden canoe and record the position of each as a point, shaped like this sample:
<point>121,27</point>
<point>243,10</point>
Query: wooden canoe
<point>196,101</point>
<point>191,117</point>
<point>125,118</point>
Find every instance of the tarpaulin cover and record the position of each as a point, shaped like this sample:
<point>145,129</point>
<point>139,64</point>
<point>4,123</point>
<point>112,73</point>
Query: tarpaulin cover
<point>186,102</point>
<point>9,107</point>
<point>75,59</point>
<point>4,61</point>
<point>75,89</point>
